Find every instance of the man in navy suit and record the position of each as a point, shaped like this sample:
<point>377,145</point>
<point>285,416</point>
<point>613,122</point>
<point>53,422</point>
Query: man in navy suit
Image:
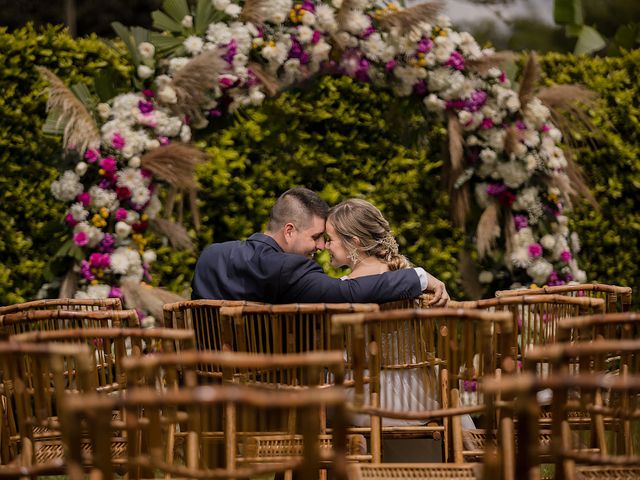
<point>277,266</point>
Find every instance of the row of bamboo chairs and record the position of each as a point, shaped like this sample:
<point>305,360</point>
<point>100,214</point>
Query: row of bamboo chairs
<point>409,372</point>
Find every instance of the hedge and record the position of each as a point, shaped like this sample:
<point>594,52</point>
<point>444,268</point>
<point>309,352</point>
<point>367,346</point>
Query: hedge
<point>334,135</point>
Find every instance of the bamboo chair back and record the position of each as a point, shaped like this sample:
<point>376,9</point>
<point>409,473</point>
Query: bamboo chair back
<point>617,299</point>
<point>621,326</point>
<point>599,394</point>
<point>273,372</point>
<point>84,304</point>
<point>419,302</point>
<point>109,346</point>
<point>194,409</point>
<point>47,320</point>
<point>536,317</point>
<point>612,357</point>
<point>402,471</point>
<point>36,380</point>
<point>416,362</point>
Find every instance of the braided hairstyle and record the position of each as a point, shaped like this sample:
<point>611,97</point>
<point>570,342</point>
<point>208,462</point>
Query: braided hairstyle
<point>360,219</point>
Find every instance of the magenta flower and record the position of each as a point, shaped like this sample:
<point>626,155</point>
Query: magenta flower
<point>215,113</point>
<point>521,221</point>
<point>486,123</point>
<point>164,140</point>
<point>535,250</point>
<point>420,87</point>
<point>424,45</point>
<point>225,81</point>
<point>84,198</point>
<point>147,92</point>
<point>546,128</point>
<point>99,260</point>
<point>456,61</point>
<point>72,222</point>
<point>390,65</point>
<point>85,271</point>
<point>108,164</point>
<point>145,108</point>
<point>566,256</point>
<point>115,292</point>
<point>91,155</point>
<point>496,189</point>
<point>121,214</point>
<point>117,141</point>
<point>81,239</point>
<point>316,37</point>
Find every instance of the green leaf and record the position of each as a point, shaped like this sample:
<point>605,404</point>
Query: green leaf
<point>568,12</point>
<point>83,93</point>
<point>165,43</point>
<point>140,35</point>
<point>162,21</point>
<point>51,125</point>
<point>205,15</point>
<point>626,37</point>
<point>125,34</point>
<point>589,41</point>
<point>106,83</point>
<point>177,9</point>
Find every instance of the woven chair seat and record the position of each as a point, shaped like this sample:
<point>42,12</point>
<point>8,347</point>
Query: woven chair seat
<point>608,473</point>
<point>424,471</point>
<point>49,450</point>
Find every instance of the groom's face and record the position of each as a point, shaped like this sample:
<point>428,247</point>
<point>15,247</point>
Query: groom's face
<point>307,239</point>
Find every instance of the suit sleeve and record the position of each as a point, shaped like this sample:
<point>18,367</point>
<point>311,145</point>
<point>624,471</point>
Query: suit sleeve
<point>304,281</point>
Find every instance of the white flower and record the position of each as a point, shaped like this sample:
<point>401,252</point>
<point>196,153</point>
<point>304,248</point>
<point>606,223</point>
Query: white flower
<point>548,242</point>
<point>488,156</point>
<point>193,44</point>
<point>443,49</point>
<point>101,197</point>
<point>98,291</point>
<point>336,3</point>
<point>187,21</point>
<point>132,217</point>
<point>104,110</point>
<point>149,256</point>
<point>78,212</point>
<point>356,22</point>
<point>140,195</point>
<point>219,33</point>
<point>148,321</point>
<point>185,133</point>
<point>233,10</point>
<point>81,168</point>
<point>539,271</point>
<point>134,162</point>
<point>526,199</point>
<point>433,103</point>
<point>122,230</point>
<point>167,94</point>
<point>220,4</point>
<point>154,207</point>
<point>326,18</point>
<point>532,162</point>
<point>256,96</point>
<point>146,50</point>
<point>305,34</point>
<point>513,173</point>
<point>485,277</point>
<point>175,64</point>
<point>144,71</point>
<point>67,187</point>
<point>308,18</point>
<point>119,261</point>
<point>575,242</point>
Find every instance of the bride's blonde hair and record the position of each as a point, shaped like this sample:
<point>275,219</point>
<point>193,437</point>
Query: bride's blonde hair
<point>358,218</point>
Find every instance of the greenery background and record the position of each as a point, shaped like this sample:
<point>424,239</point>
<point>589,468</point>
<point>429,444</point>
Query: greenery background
<point>334,135</point>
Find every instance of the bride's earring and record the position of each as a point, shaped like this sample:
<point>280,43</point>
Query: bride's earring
<point>353,257</point>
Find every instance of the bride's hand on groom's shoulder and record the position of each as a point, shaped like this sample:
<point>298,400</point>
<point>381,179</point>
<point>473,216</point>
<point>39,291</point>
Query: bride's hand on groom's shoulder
<point>440,294</point>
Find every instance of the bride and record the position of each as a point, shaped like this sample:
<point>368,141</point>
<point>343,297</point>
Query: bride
<point>358,236</point>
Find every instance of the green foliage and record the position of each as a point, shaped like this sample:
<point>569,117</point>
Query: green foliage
<point>610,162</point>
<point>31,219</point>
<point>336,136</point>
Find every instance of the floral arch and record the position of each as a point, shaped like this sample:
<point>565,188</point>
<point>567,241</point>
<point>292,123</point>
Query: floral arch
<point>217,56</point>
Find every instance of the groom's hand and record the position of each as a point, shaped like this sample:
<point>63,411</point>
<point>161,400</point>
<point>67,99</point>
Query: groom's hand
<point>440,297</point>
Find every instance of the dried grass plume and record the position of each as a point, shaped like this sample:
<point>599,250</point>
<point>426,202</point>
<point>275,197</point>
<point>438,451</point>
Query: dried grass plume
<point>459,197</point>
<point>530,79</point>
<point>488,229</point>
<point>174,232</point>
<point>145,297</point>
<point>406,19</point>
<point>174,163</point>
<point>484,64</point>
<point>80,129</point>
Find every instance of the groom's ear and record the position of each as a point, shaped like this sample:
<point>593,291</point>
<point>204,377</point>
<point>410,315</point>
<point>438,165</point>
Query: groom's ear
<point>288,229</point>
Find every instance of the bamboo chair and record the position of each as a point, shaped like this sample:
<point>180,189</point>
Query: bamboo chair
<point>149,414</point>
<point>85,304</point>
<point>37,378</point>
<point>597,394</point>
<point>535,317</point>
<point>109,346</point>
<point>622,326</point>
<point>279,372</point>
<point>402,471</point>
<point>46,320</point>
<point>612,357</point>
<point>420,302</point>
<point>617,299</point>
<point>426,358</point>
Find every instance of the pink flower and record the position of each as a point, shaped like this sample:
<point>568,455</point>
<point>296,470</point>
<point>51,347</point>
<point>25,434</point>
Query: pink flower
<point>99,260</point>
<point>486,123</point>
<point>566,256</point>
<point>115,292</point>
<point>91,155</point>
<point>121,214</point>
<point>81,239</point>
<point>390,65</point>
<point>164,140</point>
<point>316,37</point>
<point>84,198</point>
<point>117,141</point>
<point>535,250</point>
<point>72,222</point>
<point>108,164</point>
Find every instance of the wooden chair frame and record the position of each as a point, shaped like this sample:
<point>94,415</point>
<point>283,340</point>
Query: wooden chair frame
<point>84,304</point>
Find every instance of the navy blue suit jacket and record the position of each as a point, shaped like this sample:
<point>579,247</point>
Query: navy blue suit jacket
<point>257,269</point>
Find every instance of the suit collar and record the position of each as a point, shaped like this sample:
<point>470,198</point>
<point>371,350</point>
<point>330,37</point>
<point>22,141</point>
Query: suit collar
<point>262,238</point>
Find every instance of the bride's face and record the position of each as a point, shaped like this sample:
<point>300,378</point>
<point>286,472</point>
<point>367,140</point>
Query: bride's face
<point>336,248</point>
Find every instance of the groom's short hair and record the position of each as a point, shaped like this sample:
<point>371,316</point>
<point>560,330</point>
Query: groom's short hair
<point>298,206</point>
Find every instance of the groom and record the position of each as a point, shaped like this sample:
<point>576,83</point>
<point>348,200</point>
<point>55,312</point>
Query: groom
<point>277,266</point>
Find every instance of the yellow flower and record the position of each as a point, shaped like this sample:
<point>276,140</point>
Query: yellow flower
<point>102,171</point>
<point>552,197</point>
<point>94,282</point>
<point>533,286</point>
<point>98,221</point>
<point>140,240</point>
<point>104,211</point>
<point>100,273</point>
<point>393,7</point>
<point>442,33</point>
<point>144,217</point>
